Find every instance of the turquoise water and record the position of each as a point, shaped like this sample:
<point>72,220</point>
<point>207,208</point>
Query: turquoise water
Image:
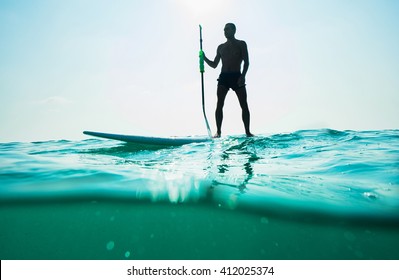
<point>312,194</point>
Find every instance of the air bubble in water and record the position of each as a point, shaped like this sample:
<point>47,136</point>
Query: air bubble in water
<point>110,245</point>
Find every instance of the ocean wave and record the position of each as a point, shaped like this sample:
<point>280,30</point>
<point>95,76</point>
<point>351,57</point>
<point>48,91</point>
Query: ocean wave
<point>341,173</point>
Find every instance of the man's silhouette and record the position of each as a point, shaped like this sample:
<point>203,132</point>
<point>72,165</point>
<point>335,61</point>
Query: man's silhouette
<point>232,53</point>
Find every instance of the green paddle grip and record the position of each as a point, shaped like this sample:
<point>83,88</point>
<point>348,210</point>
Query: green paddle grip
<point>201,61</point>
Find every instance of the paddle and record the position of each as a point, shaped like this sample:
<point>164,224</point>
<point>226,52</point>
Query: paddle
<point>202,70</point>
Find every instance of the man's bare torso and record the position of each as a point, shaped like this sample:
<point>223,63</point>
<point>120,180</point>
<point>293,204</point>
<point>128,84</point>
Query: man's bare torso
<point>232,55</point>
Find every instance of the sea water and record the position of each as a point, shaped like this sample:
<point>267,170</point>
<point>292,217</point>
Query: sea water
<point>311,194</point>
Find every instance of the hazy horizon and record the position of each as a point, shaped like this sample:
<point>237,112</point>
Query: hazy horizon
<point>131,67</point>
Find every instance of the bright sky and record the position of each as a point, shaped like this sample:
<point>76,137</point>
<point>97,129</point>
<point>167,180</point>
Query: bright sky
<point>131,67</point>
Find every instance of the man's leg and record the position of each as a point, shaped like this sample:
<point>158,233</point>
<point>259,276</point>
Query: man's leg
<point>242,98</point>
<point>221,93</point>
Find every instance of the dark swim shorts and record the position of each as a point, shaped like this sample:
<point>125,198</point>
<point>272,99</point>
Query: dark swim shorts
<point>229,80</point>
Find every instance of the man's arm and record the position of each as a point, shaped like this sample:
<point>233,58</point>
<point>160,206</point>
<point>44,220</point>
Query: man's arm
<point>215,62</point>
<point>245,58</point>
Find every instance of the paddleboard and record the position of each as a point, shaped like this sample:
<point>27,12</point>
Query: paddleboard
<point>148,140</point>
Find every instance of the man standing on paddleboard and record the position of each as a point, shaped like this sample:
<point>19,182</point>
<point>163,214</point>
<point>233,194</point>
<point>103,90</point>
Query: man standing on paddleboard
<point>232,53</point>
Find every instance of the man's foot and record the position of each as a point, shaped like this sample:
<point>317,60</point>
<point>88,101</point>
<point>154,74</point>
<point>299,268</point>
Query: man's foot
<point>249,134</point>
<point>217,135</point>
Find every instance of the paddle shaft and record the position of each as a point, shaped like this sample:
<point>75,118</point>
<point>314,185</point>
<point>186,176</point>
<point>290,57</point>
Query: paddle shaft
<point>202,70</point>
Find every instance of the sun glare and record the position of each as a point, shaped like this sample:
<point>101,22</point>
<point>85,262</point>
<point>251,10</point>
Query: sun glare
<point>201,8</point>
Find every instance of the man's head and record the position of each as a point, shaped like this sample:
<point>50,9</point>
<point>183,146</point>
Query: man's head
<point>229,30</point>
